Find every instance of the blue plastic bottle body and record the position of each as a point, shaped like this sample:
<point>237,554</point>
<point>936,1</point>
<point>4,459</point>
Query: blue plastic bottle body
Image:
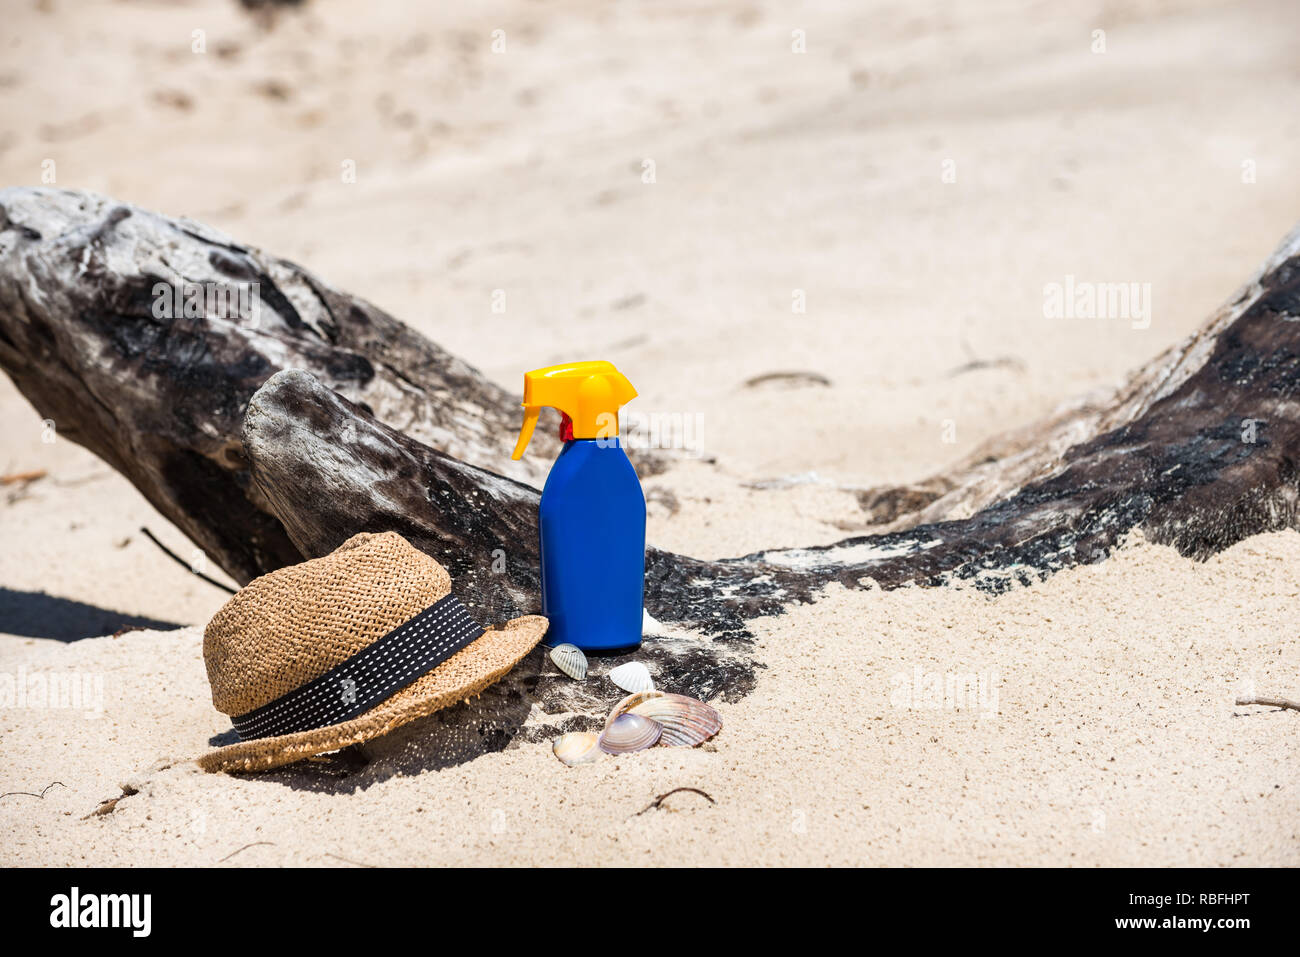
<point>592,523</point>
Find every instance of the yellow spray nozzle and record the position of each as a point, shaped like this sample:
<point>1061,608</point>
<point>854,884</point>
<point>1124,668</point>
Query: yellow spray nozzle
<point>589,393</point>
<point>526,433</point>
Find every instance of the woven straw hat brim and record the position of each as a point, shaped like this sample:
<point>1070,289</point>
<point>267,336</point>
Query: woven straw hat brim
<point>463,675</point>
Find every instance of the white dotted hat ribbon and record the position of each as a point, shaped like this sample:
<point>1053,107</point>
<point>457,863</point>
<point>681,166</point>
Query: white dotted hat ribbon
<point>374,674</point>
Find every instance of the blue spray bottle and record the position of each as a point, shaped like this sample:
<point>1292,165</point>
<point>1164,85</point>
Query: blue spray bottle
<point>592,516</point>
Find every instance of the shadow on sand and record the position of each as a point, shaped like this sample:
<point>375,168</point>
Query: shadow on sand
<point>38,615</point>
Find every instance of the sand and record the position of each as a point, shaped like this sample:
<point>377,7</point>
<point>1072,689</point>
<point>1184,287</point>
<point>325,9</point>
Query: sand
<point>1106,733</point>
<point>1090,721</point>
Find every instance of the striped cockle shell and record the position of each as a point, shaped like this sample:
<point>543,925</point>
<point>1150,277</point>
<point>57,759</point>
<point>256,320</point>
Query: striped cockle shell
<point>570,659</point>
<point>632,676</point>
<point>577,747</point>
<point>629,732</point>
<point>630,702</point>
<point>686,722</point>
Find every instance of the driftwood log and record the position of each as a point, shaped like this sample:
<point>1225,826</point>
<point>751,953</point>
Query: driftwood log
<point>280,442</point>
<point>143,337</point>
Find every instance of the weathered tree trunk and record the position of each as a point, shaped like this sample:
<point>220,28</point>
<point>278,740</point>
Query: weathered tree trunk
<point>1008,462</point>
<point>143,338</point>
<point>1199,451</point>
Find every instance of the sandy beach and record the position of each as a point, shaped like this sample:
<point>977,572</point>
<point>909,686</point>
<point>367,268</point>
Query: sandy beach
<point>1094,726</point>
<point>913,181</point>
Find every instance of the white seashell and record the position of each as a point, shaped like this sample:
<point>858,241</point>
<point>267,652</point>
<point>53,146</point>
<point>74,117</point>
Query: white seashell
<point>632,676</point>
<point>649,626</point>
<point>686,721</point>
<point>570,660</point>
<point>630,702</point>
<point>577,747</point>
<point>629,732</point>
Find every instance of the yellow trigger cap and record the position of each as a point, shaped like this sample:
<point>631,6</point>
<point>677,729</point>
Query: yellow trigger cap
<point>589,393</point>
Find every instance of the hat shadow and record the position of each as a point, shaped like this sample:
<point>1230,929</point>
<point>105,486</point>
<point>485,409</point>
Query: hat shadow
<point>38,615</point>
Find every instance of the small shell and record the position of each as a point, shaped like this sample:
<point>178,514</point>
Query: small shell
<point>577,747</point>
<point>632,676</point>
<point>570,660</point>
<point>686,721</point>
<point>629,732</point>
<point>630,702</point>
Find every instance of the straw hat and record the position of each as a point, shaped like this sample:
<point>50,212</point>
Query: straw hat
<point>344,648</point>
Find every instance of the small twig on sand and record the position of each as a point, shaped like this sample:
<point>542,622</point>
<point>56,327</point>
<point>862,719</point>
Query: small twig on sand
<point>1268,702</point>
<point>109,805</point>
<point>184,564</point>
<point>346,861</point>
<point>106,806</point>
<point>788,378</point>
<point>1002,362</point>
<point>14,478</point>
<point>33,793</point>
<point>80,480</point>
<point>659,801</point>
<point>244,848</point>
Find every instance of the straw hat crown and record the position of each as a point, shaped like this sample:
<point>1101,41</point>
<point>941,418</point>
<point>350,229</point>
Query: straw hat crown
<point>293,625</point>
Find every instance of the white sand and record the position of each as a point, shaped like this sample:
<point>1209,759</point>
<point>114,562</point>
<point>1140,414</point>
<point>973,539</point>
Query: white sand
<point>1101,730</point>
<point>820,172</point>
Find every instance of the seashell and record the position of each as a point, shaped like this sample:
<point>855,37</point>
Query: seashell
<point>629,732</point>
<point>632,676</point>
<point>630,702</point>
<point>686,722</point>
<point>570,660</point>
<point>577,747</point>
